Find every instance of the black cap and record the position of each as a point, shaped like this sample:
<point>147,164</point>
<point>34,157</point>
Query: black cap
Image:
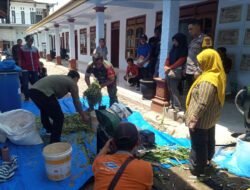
<point>126,136</point>
<point>97,56</point>
<point>29,38</point>
<point>144,36</point>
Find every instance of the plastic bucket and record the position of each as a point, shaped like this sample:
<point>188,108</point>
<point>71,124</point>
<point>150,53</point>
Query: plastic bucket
<point>94,121</point>
<point>242,154</point>
<point>10,96</point>
<point>58,160</point>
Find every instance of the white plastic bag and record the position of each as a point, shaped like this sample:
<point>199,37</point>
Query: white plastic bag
<point>20,127</point>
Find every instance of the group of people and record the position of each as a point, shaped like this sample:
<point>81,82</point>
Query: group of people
<point>204,69</point>
<point>147,58</point>
<point>27,57</point>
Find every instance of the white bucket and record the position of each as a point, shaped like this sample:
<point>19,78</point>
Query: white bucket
<point>58,160</point>
<point>94,121</point>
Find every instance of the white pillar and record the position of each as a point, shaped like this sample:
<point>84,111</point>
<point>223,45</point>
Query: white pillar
<point>99,23</point>
<point>72,51</point>
<point>71,38</point>
<point>40,41</point>
<point>170,24</point>
<point>47,40</point>
<point>57,39</point>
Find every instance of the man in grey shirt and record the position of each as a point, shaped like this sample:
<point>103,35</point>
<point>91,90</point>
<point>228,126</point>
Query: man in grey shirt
<point>45,93</point>
<point>199,42</point>
<point>102,49</point>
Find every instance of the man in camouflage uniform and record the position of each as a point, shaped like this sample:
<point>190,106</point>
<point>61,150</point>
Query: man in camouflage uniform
<point>200,41</point>
<point>104,73</point>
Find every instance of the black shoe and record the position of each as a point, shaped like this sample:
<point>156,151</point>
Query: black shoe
<point>132,84</point>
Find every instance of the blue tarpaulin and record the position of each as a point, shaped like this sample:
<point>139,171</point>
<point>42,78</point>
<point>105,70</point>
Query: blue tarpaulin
<point>31,172</point>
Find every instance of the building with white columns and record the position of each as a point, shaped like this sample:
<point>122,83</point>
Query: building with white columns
<point>82,23</point>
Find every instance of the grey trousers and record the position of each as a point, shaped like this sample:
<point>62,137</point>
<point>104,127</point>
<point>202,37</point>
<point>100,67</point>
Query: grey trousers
<point>175,99</point>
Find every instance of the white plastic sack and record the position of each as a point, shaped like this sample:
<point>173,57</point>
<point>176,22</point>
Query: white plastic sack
<point>20,127</point>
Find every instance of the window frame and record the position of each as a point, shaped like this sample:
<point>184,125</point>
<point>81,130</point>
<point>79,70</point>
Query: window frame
<point>33,18</point>
<point>83,50</point>
<point>134,24</point>
<point>13,16</point>
<point>22,17</point>
<point>92,32</point>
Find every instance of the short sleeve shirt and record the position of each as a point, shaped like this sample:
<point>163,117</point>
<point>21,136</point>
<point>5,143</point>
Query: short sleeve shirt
<point>143,50</point>
<point>137,175</point>
<point>103,51</point>
<point>194,48</point>
<point>133,70</point>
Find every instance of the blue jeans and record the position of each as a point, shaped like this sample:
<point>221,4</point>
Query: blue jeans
<point>28,76</point>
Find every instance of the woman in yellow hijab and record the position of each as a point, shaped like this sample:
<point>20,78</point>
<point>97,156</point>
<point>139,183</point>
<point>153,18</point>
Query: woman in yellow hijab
<point>203,107</point>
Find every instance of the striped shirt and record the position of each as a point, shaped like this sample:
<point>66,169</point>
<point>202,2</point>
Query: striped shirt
<point>204,105</point>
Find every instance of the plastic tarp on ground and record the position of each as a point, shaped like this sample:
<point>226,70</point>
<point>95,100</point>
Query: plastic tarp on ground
<point>228,160</point>
<point>31,172</point>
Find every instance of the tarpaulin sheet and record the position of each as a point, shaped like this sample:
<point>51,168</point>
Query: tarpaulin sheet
<point>31,172</point>
<point>228,160</point>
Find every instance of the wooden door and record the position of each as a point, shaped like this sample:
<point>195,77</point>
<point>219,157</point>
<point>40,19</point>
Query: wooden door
<point>63,43</point>
<point>76,45</point>
<point>115,43</point>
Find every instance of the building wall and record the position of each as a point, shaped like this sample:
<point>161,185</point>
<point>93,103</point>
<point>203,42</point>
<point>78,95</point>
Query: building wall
<point>27,8</point>
<point>122,17</point>
<point>242,77</point>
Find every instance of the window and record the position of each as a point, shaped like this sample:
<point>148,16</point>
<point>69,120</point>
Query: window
<point>135,27</point>
<point>23,17</point>
<point>39,18</point>
<point>92,39</point>
<point>158,20</point>
<point>13,14</point>
<point>39,15</point>
<point>32,17</point>
<point>83,41</point>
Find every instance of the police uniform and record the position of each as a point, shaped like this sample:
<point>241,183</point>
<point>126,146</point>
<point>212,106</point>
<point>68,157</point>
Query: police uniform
<point>195,47</point>
<point>103,74</point>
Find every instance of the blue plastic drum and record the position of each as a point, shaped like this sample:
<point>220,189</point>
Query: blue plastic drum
<point>10,93</point>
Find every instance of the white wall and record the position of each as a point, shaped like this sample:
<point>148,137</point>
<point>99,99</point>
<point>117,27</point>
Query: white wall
<point>237,75</point>
<point>27,9</point>
<point>122,17</point>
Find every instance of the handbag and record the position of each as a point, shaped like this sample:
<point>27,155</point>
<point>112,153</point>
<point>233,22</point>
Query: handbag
<point>175,74</point>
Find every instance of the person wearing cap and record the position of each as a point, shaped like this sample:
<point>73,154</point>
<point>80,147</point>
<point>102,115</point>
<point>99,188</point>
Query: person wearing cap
<point>143,57</point>
<point>138,174</point>
<point>200,41</point>
<point>104,73</point>
<point>29,60</point>
<point>45,93</point>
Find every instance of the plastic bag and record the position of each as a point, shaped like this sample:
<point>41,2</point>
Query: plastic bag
<point>9,65</point>
<point>20,127</point>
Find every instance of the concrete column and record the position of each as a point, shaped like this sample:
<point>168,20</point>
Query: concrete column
<point>170,24</point>
<point>47,40</point>
<point>40,44</point>
<point>99,24</point>
<point>72,50</point>
<point>57,44</point>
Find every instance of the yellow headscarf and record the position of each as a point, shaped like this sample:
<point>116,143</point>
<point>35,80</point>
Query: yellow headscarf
<point>213,72</point>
